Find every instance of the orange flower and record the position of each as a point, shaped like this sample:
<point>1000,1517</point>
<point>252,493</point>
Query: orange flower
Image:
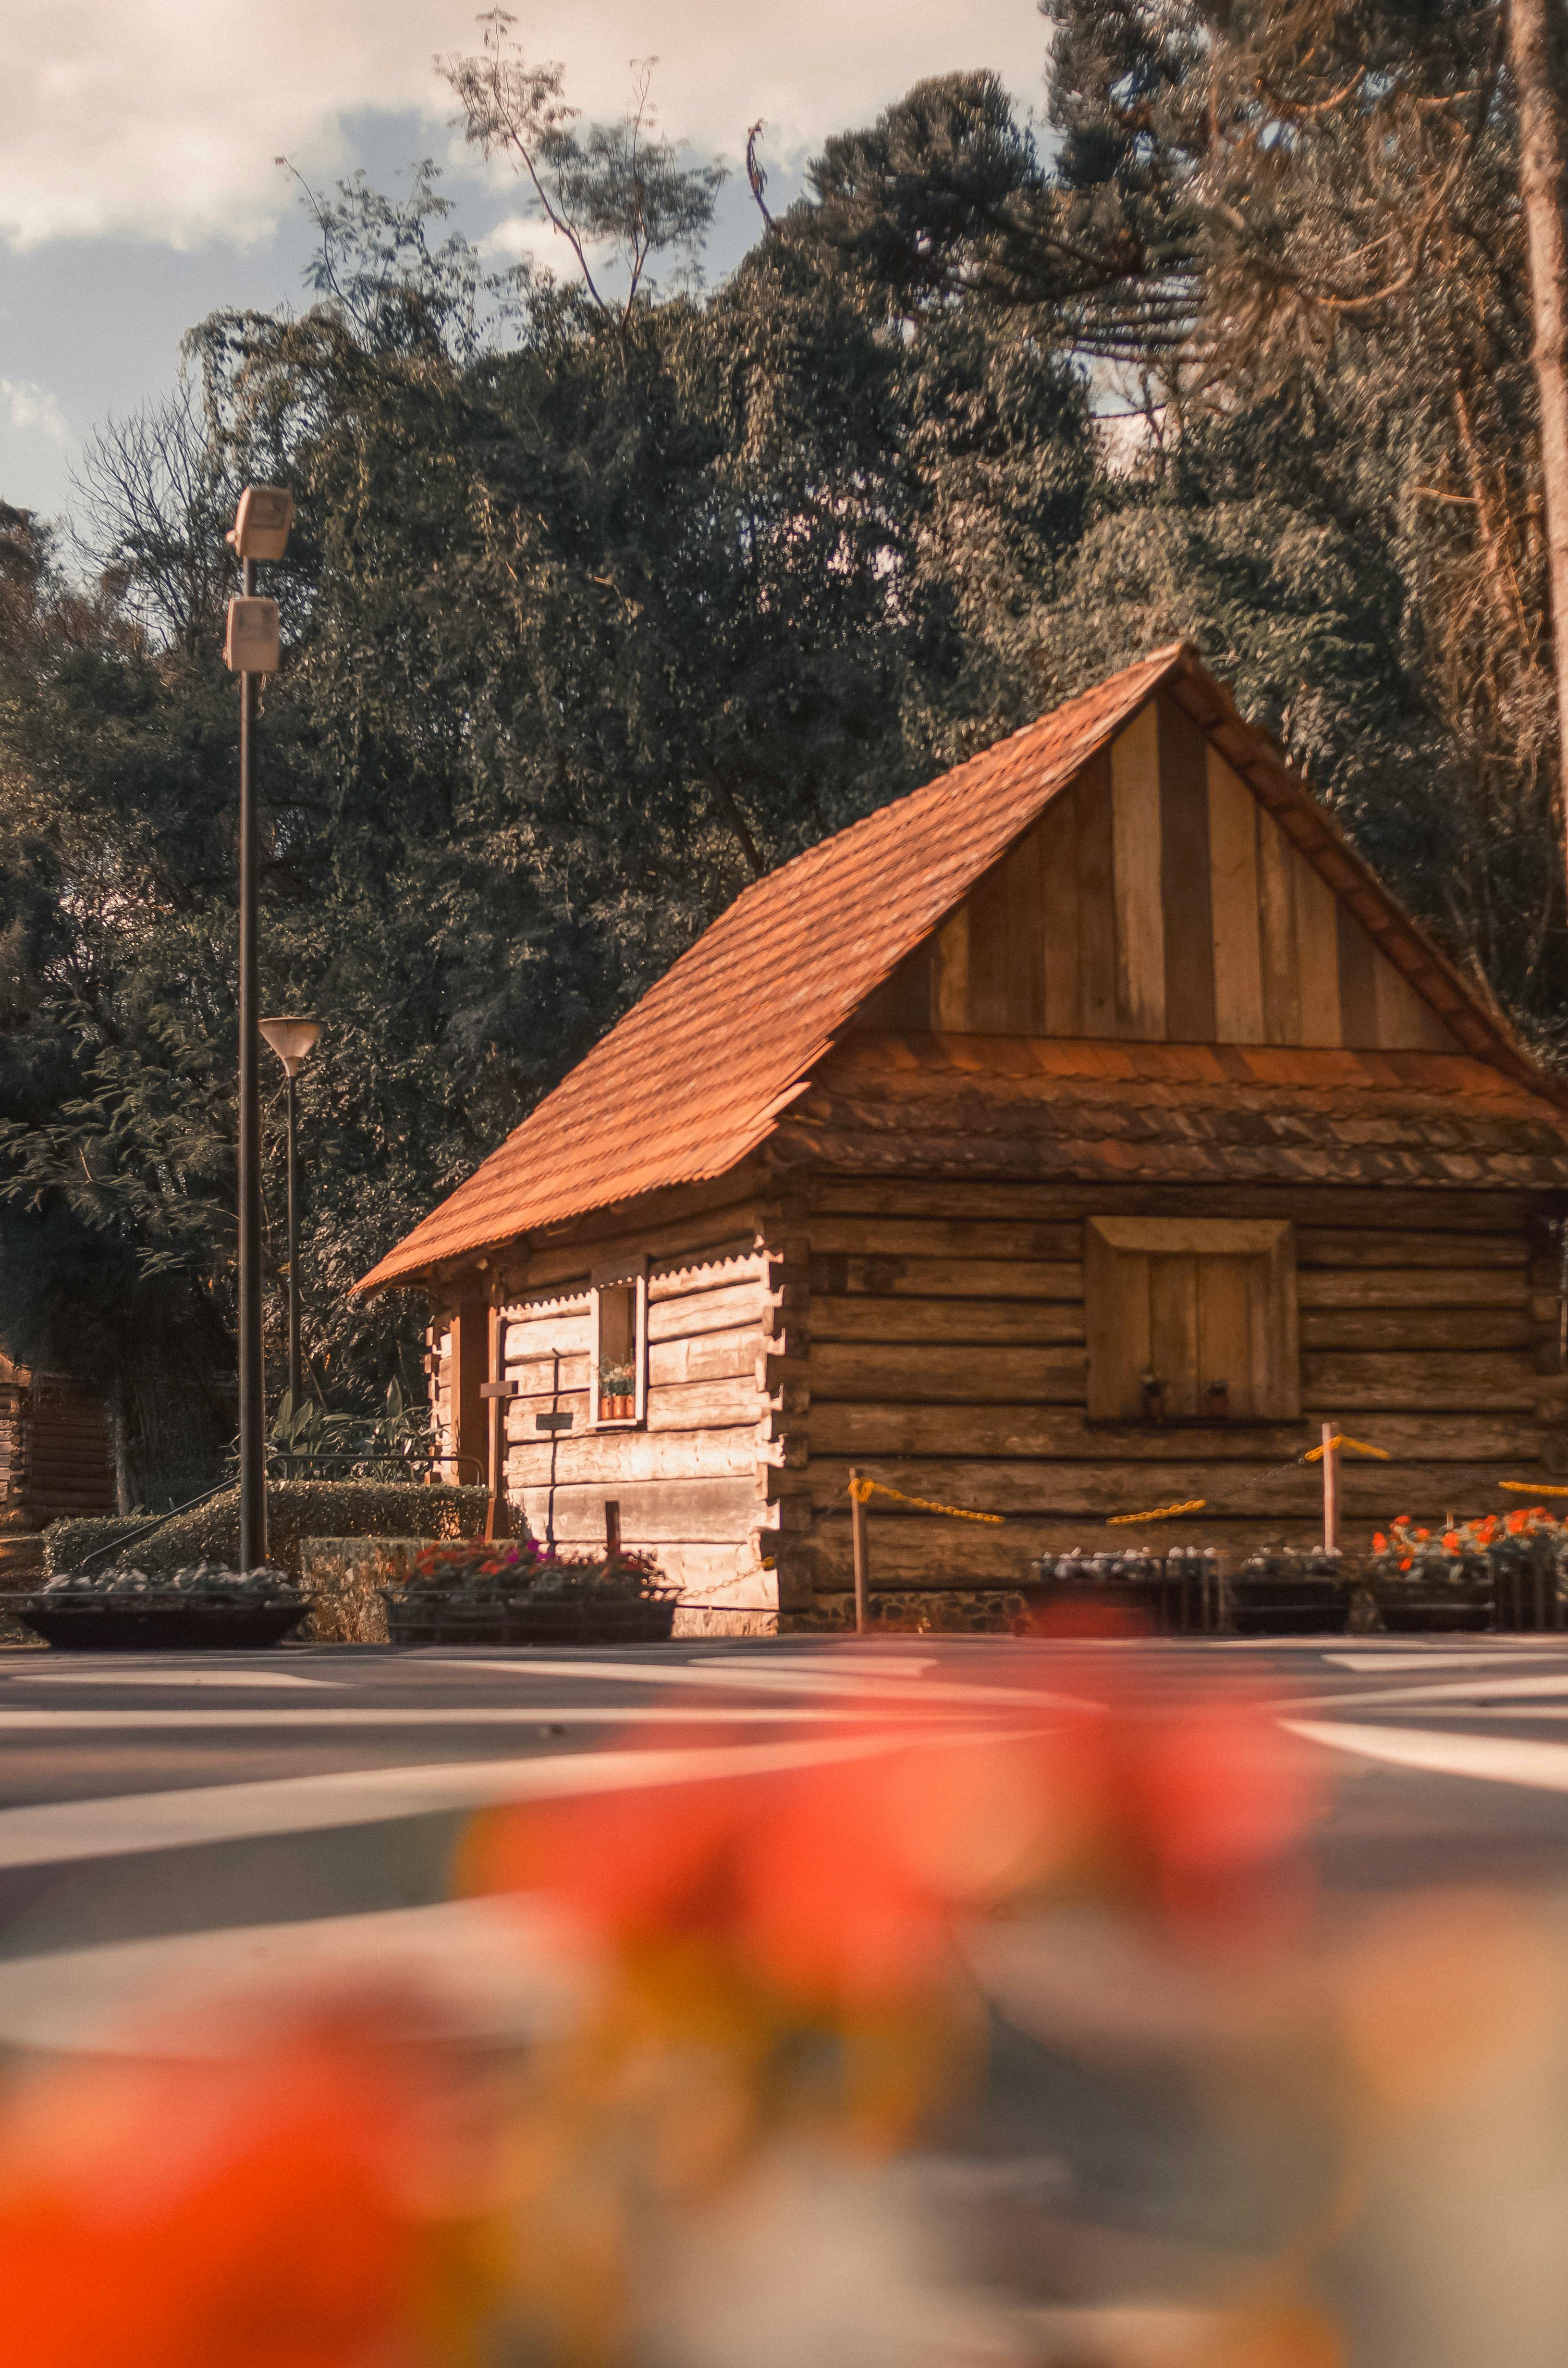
<point>1422,1536</point>
<point>199,2214</point>
<point>1379,1543</point>
<point>1451,1541</point>
<point>835,1885</point>
<point>1514,1524</point>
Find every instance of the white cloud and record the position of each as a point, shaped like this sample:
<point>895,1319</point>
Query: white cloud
<point>34,411</point>
<point>160,119</point>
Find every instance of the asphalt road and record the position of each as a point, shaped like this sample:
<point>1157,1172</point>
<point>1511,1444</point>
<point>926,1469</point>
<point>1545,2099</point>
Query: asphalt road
<point>176,1828</point>
<point>162,1815</point>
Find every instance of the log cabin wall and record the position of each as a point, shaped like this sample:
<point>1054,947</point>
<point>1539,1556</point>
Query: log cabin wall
<point>941,1346</point>
<point>55,1462</point>
<point>690,1477</point>
<point>1156,900</point>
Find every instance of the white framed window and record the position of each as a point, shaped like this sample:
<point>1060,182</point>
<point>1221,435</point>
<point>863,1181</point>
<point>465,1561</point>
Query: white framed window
<point>618,1377</point>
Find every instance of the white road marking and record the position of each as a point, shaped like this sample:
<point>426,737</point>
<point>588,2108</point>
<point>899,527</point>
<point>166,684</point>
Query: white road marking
<point>1462,1690</point>
<point>239,1721</point>
<point>56,1831</point>
<point>498,1964</point>
<point>1495,1758</point>
<point>96,1674</point>
<point>1370,1663</point>
<point>725,1676</point>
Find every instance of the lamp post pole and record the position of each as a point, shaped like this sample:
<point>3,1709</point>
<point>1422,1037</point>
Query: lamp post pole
<point>292,1038</point>
<point>253,1371</point>
<point>293,1239</point>
<point>260,531</point>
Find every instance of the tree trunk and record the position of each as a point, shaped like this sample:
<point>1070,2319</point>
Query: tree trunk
<point>1536,47</point>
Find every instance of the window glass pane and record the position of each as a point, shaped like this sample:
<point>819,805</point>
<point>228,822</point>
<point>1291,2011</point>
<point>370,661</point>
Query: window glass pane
<point>617,1340</point>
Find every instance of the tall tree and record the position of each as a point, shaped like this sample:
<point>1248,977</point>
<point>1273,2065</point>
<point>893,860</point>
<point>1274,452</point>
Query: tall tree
<point>1537,54</point>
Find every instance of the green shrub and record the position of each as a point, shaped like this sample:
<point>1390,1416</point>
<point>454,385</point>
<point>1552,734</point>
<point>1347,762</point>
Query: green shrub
<point>296,1509</point>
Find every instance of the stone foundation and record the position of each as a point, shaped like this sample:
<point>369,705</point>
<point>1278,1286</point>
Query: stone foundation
<point>735,1620</point>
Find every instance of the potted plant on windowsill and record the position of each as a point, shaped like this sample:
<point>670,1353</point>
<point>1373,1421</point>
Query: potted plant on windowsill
<point>511,1593</point>
<point>618,1394</point>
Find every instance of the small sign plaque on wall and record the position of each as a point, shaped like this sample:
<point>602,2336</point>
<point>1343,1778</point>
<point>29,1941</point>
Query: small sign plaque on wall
<point>552,1421</point>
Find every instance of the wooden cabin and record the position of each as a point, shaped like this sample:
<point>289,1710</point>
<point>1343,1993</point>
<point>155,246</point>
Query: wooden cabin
<point>55,1463</point>
<point>1071,1137</point>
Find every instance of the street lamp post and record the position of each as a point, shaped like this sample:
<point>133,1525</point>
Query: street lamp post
<point>293,1040</point>
<point>260,531</point>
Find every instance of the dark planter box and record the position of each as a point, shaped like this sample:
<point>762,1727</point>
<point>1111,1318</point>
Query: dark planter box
<point>1526,1585</point>
<point>1424,1607</point>
<point>1180,1596</point>
<point>1291,1605</point>
<point>429,1615</point>
<point>145,1625</point>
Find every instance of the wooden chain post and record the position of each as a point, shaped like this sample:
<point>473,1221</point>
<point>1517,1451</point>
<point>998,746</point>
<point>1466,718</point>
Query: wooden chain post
<point>1330,1488</point>
<point>862,1553</point>
<point>612,1529</point>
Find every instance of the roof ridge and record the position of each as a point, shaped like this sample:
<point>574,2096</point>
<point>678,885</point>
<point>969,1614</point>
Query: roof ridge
<point>1165,657</point>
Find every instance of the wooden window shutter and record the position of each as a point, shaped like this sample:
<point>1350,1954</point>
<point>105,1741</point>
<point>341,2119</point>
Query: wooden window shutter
<point>1191,1320</point>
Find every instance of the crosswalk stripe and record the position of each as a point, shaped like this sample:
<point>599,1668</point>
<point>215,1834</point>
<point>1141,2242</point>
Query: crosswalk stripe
<point>247,1721</point>
<point>184,1993</point>
<point>1494,1759</point>
<point>51,1833</point>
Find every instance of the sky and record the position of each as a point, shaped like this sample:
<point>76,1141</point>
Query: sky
<point>139,187</point>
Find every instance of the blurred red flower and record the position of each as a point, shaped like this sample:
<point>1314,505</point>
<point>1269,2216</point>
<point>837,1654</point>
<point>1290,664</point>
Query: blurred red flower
<point>231,2213</point>
<point>838,1884</point>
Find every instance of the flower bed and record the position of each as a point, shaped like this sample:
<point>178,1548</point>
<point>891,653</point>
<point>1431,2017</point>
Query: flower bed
<point>1292,1591</point>
<point>1181,1592</point>
<point>1503,1571</point>
<point>510,1593</point>
<point>195,1609</point>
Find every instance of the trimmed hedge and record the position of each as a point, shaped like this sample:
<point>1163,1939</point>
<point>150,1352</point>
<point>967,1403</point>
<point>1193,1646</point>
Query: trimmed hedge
<point>296,1509</point>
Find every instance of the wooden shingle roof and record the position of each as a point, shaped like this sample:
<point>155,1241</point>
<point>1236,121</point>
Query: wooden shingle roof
<point>1061,1109</point>
<point>698,1072</point>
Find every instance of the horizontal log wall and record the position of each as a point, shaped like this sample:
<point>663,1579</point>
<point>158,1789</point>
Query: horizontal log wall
<point>942,1350</point>
<point>691,1481</point>
<point>55,1462</point>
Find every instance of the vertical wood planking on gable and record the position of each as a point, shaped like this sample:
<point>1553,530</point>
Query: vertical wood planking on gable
<point>985,996</point>
<point>1277,923</point>
<point>1317,949</point>
<point>949,998</point>
<point>1139,909</point>
<point>1097,899</point>
<point>1234,896</point>
<point>1406,1022</point>
<point>1026,953</point>
<point>1358,985</point>
<point>1057,840</point>
<point>1184,900</point>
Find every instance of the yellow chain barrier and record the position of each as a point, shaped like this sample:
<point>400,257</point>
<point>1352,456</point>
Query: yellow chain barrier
<point>864,1490</point>
<point>1161,1513</point>
<point>1531,1488</point>
<point>1312,1455</point>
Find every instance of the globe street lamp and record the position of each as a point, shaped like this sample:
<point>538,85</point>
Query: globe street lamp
<point>260,531</point>
<point>294,1040</point>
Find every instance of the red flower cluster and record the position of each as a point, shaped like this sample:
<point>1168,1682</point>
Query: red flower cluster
<point>836,1885</point>
<point>246,2212</point>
